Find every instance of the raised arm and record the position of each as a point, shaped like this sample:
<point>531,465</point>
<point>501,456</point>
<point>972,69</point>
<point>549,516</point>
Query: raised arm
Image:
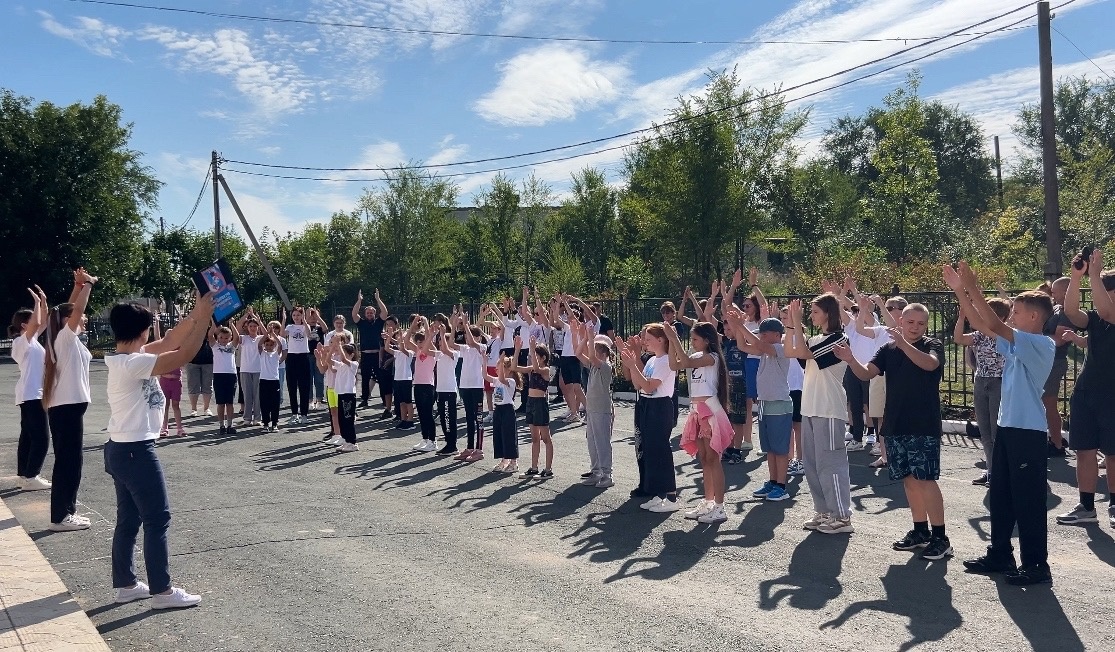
<point>1101,299</point>
<point>356,306</point>
<point>83,287</point>
<point>958,334</point>
<point>798,347</point>
<point>888,319</point>
<point>191,331</point>
<point>753,277</point>
<point>381,306</point>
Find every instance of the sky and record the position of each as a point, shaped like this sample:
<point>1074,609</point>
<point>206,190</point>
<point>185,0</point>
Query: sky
<point>315,93</point>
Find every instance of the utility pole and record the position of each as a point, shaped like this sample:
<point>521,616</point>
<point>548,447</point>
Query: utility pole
<point>999,173</point>
<point>162,225</point>
<point>1053,267</point>
<point>216,202</point>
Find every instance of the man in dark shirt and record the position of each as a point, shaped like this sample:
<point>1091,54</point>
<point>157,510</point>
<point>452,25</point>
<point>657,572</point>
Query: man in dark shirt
<point>912,366</point>
<point>606,325</point>
<point>369,325</point>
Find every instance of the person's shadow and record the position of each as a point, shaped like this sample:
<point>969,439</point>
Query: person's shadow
<point>916,590</point>
<point>812,579</point>
<point>1038,614</point>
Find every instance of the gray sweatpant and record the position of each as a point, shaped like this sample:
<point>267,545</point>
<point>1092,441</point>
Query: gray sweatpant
<point>988,393</point>
<point>598,429</point>
<point>250,383</point>
<point>826,465</point>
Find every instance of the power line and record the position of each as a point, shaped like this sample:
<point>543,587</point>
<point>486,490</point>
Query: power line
<point>1082,52</point>
<point>197,202</point>
<point>638,131</point>
<point>522,37</point>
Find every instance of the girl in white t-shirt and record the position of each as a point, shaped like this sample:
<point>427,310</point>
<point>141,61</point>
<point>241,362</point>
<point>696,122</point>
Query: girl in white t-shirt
<point>344,367</point>
<point>446,385</point>
<point>29,354</point>
<point>224,340</point>
<point>402,390</point>
<point>250,332</point>
<point>275,328</point>
<point>473,356</point>
<point>271,355</point>
<point>505,443</point>
<point>299,365</point>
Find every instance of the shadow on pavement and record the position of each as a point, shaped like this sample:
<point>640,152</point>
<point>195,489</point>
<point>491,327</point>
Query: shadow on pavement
<point>1038,614</point>
<point>564,504</point>
<point>27,614</point>
<point>812,579</point>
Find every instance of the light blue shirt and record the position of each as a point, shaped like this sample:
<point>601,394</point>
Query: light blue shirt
<point>1028,361</point>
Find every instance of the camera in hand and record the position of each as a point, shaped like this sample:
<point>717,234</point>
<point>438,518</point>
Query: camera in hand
<point>1085,256</point>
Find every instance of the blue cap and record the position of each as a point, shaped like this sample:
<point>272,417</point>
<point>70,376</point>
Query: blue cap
<point>771,325</point>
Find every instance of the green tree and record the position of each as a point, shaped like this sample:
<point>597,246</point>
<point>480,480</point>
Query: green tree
<point>302,263</point>
<point>535,198</point>
<point>587,222</point>
<point>74,194</point>
<point>499,211</point>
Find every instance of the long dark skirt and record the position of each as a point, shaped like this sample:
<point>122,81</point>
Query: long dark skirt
<point>654,418</point>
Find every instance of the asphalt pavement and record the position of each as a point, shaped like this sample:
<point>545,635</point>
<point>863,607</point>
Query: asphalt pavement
<point>295,546</point>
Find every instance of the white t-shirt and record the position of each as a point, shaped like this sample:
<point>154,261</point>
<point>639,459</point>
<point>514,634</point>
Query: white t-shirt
<point>447,372</point>
<point>135,399</point>
<point>795,376</point>
<point>704,381</point>
<point>31,358</point>
<point>495,349</point>
<point>402,365</point>
<point>282,347</point>
<point>298,338</point>
<point>71,369</point>
<point>538,331</point>
<point>504,393</point>
<point>224,358</point>
<point>567,336</point>
<point>509,326</point>
<point>822,393</point>
<point>330,334</point>
<point>863,347</point>
<point>345,376</point>
<point>249,354</point>
<point>472,369</point>
<point>269,364</point>
<point>659,368</point>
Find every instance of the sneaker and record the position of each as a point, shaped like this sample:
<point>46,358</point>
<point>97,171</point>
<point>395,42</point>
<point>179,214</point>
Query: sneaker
<point>430,446</point>
<point>80,519</point>
<point>816,522</point>
<point>336,440</point>
<point>991,563</point>
<point>193,414</point>
<point>1111,516</point>
<point>700,510</point>
<point>565,416</point>
<point>501,467</point>
<point>777,494</point>
<point>231,430</point>
<point>293,420</point>
<point>386,414</point>
<point>475,456</point>
<point>664,506</point>
<point>590,480</point>
<point>446,450</point>
<point>745,446</point>
<point>877,450</point>
<point>737,456</point>
<point>872,441</point>
<point>913,540</point>
<point>138,592</point>
<point>513,467</point>
<point>176,599</point>
<point>938,549</point>
<point>848,435</point>
<point>762,491</point>
<point>1103,462</point>
<point>407,425</point>
<point>209,412</point>
<point>588,474</point>
<point>362,404</point>
<point>982,481</point>
<point>419,446</point>
<point>1077,516</point>
<point>546,474</point>
<point>654,500</point>
<point>606,481</point>
<point>463,455</point>
<point>1032,574</point>
<point>529,473</point>
<point>328,436</point>
<point>714,515</point>
<point>854,446</point>
<point>222,431</point>
<point>37,483</point>
<point>837,526</point>
<point>878,464</point>
<point>348,448</point>
<point>69,524</point>
<point>487,420</point>
<point>796,467</point>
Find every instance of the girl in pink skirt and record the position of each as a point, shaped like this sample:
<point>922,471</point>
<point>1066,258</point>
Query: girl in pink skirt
<point>171,383</point>
<point>707,430</point>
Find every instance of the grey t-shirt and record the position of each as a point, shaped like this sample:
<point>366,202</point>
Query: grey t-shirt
<point>598,394</point>
<point>771,380</point>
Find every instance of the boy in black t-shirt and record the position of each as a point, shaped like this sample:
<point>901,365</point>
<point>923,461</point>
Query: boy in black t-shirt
<point>912,365</point>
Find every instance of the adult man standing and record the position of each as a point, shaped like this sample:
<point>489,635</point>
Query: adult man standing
<point>369,325</point>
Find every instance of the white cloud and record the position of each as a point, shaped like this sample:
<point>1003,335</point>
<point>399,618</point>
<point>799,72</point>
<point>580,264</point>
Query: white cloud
<point>549,83</point>
<point>517,16</point>
<point>94,35</point>
<point>447,152</point>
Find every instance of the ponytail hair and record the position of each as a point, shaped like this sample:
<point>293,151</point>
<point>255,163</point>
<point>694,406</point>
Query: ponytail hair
<point>19,318</point>
<point>59,315</point>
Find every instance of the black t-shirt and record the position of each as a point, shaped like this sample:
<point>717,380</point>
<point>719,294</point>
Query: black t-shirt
<point>605,325</point>
<point>204,354</point>
<point>1098,376</point>
<point>317,336</point>
<point>1058,318</point>
<point>913,394</point>
<point>370,333</point>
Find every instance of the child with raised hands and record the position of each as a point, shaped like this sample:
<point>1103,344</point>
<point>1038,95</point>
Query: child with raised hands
<point>323,355</point>
<point>402,390</point>
<point>505,444</point>
<point>345,366</point>
<point>472,384</point>
<point>654,418</point>
<point>595,353</point>
<point>224,340</point>
<point>271,356</point>
<point>419,341</point>
<point>537,374</point>
<point>447,355</point>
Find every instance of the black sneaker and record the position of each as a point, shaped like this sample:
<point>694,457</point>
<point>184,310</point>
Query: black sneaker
<point>1054,450</point>
<point>546,474</point>
<point>726,456</point>
<point>587,474</point>
<point>362,404</point>
<point>386,414</point>
<point>1032,574</point>
<point>737,456</point>
<point>913,540</point>
<point>991,563</point>
<point>938,548</point>
<point>982,481</point>
<point>447,450</point>
<point>231,430</point>
<point>222,431</point>
<point>529,473</point>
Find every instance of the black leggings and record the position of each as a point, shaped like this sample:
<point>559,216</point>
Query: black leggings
<point>369,370</point>
<point>67,429</point>
<point>447,413</point>
<point>424,397</point>
<point>299,379</point>
<point>269,394</point>
<point>473,398</point>
<point>33,439</point>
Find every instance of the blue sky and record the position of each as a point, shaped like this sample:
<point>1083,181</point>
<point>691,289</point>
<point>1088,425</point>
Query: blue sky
<point>323,96</point>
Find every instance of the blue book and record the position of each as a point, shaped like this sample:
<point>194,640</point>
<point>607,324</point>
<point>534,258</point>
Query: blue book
<point>217,279</point>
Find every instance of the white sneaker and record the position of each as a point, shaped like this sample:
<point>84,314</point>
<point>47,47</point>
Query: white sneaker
<point>292,420</point>
<point>871,439</point>
<point>714,515</point>
<point>209,412</point>
<point>138,592</point>
<point>348,448</point>
<point>565,416</point>
<point>591,481</point>
<point>848,435</point>
<point>176,599</point>
<point>605,482</point>
<point>428,446</point>
<point>664,506</point>
<point>80,519</point>
<point>817,521</point>
<point>875,450</point>
<point>419,446</point>
<point>651,503</point>
<point>855,446</point>
<point>69,524</point>
<point>700,510</point>
<point>337,440</point>
<point>193,414</point>
<point>487,418</point>
<point>37,483</point>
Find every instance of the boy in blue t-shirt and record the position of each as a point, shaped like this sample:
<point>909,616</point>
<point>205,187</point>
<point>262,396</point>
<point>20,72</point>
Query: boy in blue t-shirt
<point>1018,486</point>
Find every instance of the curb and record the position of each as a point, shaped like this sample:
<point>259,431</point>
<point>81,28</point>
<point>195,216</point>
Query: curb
<point>39,611</point>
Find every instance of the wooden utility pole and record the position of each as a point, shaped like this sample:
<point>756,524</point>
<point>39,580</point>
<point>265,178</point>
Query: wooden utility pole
<point>999,174</point>
<point>216,203</point>
<point>1053,264</point>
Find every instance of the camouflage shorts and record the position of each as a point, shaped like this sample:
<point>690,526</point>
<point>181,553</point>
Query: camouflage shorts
<point>918,456</point>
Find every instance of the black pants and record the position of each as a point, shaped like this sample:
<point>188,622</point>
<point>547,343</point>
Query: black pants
<point>424,397</point>
<point>473,398</point>
<point>269,401</point>
<point>857,391</point>
<point>67,429</point>
<point>1018,493</point>
<point>299,379</point>
<point>505,442</point>
<point>369,368</point>
<point>346,416</point>
<point>653,423</point>
<point>33,439</point>
<point>447,414</point>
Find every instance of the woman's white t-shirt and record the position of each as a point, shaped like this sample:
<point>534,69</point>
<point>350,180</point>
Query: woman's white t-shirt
<point>822,393</point>
<point>298,338</point>
<point>249,354</point>
<point>472,369</point>
<point>224,358</point>
<point>447,372</point>
<point>71,370</point>
<point>503,393</point>
<point>704,381</point>
<point>31,358</point>
<point>269,364</point>
<point>659,368</point>
<point>345,381</point>
<point>135,399</point>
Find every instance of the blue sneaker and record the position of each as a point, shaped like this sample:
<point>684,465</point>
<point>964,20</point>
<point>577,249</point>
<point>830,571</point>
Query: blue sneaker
<point>778,493</point>
<point>764,491</point>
